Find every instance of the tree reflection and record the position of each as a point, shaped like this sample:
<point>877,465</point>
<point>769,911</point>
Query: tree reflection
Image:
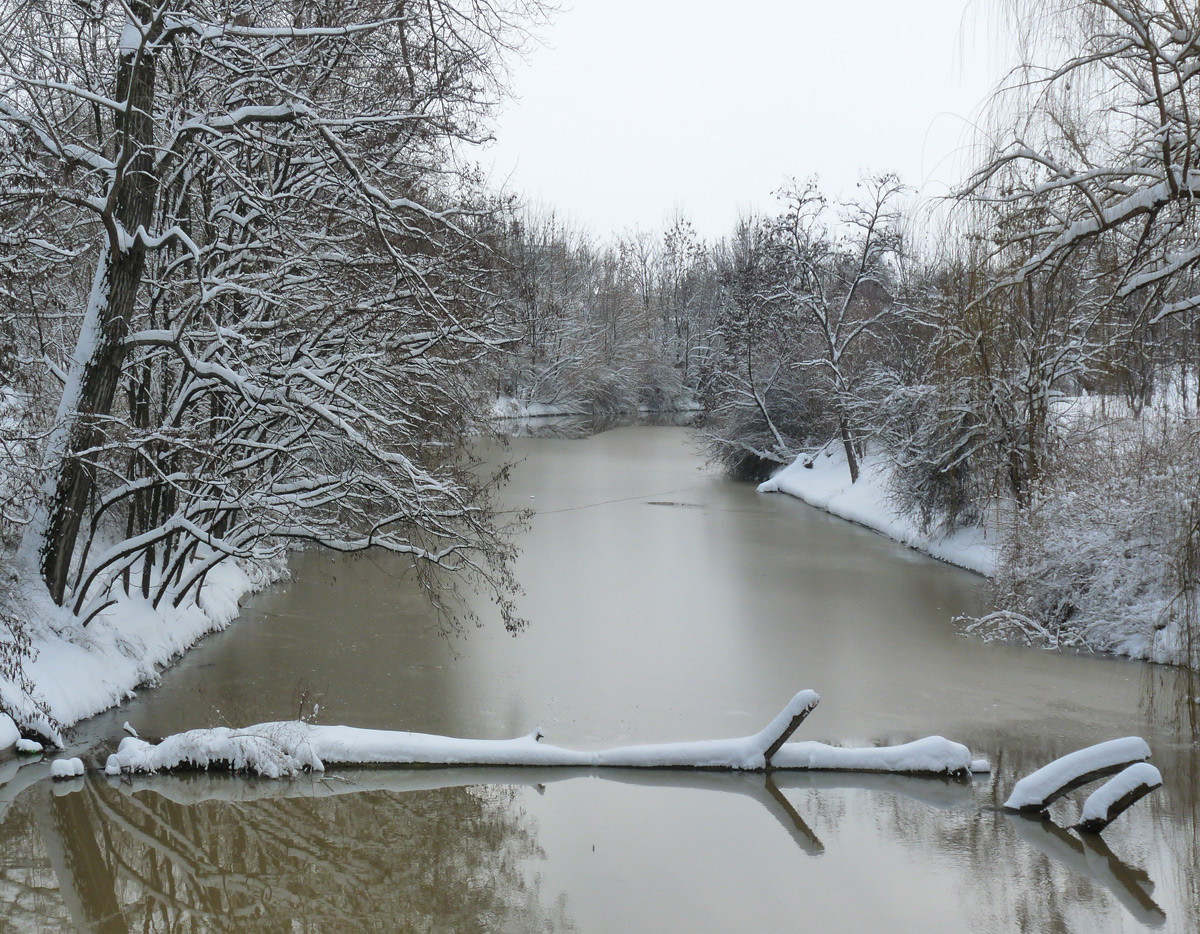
<point>448,859</point>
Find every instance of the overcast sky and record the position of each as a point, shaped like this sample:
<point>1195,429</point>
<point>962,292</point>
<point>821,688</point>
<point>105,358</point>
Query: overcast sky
<point>633,108</point>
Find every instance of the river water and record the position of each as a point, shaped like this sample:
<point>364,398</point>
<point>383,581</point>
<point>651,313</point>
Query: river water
<point>665,602</point>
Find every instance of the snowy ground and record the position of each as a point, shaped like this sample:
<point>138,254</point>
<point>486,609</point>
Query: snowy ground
<point>826,485</point>
<point>79,672</point>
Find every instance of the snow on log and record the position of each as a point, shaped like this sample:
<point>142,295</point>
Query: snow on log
<point>1110,800</point>
<point>1035,792</point>
<point>278,749</point>
<point>933,755</point>
<point>750,753</point>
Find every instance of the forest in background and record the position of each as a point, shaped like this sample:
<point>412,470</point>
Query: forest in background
<point>253,296</point>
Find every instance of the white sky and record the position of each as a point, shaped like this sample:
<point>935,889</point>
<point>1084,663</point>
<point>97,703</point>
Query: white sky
<point>633,109</point>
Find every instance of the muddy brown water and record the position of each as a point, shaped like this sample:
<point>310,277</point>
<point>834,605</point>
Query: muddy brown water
<point>665,603</point>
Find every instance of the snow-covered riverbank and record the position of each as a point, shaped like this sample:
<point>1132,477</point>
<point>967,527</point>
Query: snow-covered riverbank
<point>824,481</point>
<point>76,672</point>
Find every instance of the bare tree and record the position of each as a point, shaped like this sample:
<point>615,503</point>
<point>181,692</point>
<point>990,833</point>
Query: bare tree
<point>839,284</point>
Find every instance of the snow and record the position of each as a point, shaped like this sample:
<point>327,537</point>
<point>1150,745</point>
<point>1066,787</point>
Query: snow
<point>826,485</point>
<point>9,734</point>
<point>131,37</point>
<point>280,749</point>
<point>66,768</point>
<point>933,755</point>
<point>80,671</point>
<point>1035,791</point>
<point>28,747</point>
<point>1100,801</point>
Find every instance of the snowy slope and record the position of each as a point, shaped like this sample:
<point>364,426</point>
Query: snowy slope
<point>79,672</point>
<point>826,485</point>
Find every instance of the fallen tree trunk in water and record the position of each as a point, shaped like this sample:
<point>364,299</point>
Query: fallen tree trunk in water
<point>275,750</point>
<point>1036,791</point>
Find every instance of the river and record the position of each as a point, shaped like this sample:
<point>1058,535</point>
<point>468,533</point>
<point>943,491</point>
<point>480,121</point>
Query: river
<point>664,602</point>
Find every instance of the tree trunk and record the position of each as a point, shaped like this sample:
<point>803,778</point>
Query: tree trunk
<point>110,310</point>
<point>848,444</point>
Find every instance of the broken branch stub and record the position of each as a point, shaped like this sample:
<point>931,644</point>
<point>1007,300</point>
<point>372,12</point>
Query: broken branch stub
<point>795,717</point>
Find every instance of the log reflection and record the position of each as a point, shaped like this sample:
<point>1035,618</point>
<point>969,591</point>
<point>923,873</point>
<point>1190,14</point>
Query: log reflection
<point>1091,858</point>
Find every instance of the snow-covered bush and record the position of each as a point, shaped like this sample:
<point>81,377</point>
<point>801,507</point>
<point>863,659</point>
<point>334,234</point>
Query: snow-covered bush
<point>934,443</point>
<point>1105,557</point>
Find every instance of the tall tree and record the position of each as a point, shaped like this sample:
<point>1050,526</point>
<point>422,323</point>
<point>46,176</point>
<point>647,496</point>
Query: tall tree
<point>289,285</point>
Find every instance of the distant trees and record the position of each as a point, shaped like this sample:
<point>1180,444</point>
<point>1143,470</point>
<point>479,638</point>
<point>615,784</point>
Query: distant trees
<point>758,410</point>
<point>290,286</point>
<point>601,328</point>
<point>804,293</point>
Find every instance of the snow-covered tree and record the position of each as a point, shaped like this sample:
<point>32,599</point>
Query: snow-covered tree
<point>290,282</point>
<point>1094,170</point>
<point>838,283</point>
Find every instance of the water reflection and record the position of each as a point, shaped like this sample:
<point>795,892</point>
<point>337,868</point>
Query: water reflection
<point>1089,856</point>
<point>585,426</point>
<point>505,849</point>
<point>125,858</point>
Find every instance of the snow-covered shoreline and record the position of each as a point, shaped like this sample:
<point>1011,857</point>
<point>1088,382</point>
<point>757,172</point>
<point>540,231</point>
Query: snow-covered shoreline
<point>78,672</point>
<point>826,485</point>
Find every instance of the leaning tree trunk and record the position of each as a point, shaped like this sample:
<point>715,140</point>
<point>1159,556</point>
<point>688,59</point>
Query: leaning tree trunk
<point>96,370</point>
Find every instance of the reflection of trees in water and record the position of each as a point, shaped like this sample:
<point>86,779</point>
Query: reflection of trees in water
<point>29,889</point>
<point>450,859</point>
<point>1035,877</point>
<point>1171,698</point>
<point>414,850</point>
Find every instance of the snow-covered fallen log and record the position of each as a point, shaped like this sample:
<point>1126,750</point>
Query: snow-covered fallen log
<point>1122,791</point>
<point>933,755</point>
<point>285,748</point>
<point>1036,791</point>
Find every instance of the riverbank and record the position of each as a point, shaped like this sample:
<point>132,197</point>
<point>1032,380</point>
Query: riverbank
<point>71,672</point>
<point>823,481</point>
